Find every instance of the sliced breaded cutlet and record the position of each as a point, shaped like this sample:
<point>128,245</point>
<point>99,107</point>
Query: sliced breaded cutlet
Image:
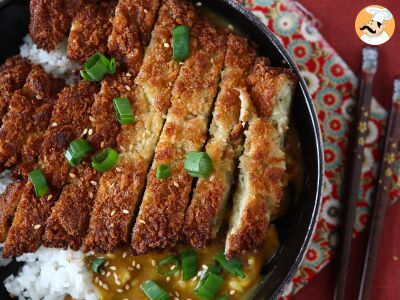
<point>121,187</point>
<point>262,164</point>
<point>132,25</point>
<point>90,30</point>
<point>69,120</point>
<point>51,20</point>
<point>13,73</point>
<point>28,117</point>
<point>161,216</point>
<point>231,112</point>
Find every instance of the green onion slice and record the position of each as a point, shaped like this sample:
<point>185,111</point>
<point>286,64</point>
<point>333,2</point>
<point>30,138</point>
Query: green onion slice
<point>97,263</point>
<point>189,264</point>
<point>168,265</point>
<point>105,160</point>
<point>214,269</point>
<point>198,164</point>
<point>123,110</point>
<point>180,42</point>
<point>163,171</point>
<point>97,66</point>
<point>76,151</point>
<point>39,182</point>
<point>153,291</point>
<point>233,266</point>
<point>208,285</point>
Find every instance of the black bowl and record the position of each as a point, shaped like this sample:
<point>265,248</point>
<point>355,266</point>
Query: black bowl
<point>295,230</point>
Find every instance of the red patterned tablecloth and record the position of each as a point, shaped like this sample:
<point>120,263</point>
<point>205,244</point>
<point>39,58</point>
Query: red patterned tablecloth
<point>332,85</point>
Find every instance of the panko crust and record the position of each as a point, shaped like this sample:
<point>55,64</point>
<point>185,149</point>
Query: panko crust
<point>25,234</point>
<point>90,30</point>
<point>69,219</point>
<point>27,119</point>
<point>69,120</point>
<point>8,204</point>
<point>205,213</point>
<point>50,21</point>
<point>131,31</point>
<point>161,216</point>
<point>13,73</point>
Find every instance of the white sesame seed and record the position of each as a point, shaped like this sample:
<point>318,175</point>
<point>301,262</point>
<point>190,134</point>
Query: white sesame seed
<point>127,87</point>
<point>176,293</point>
<point>39,97</point>
<point>250,261</point>
<point>120,291</point>
<point>138,266</point>
<point>204,267</point>
<point>105,286</point>
<point>100,283</point>
<point>106,263</point>
<point>142,221</point>
<point>72,175</point>
<point>125,211</point>
<point>90,132</point>
<point>153,262</point>
<point>128,74</point>
<point>230,26</point>
<point>176,184</point>
<point>118,169</point>
<point>232,292</point>
<point>49,197</point>
<point>85,131</point>
<point>93,182</point>
<point>102,144</point>
<point>96,280</point>
<point>176,298</point>
<point>127,286</point>
<point>54,124</point>
<point>166,45</point>
<point>117,282</point>
<point>124,254</point>
<point>168,279</point>
<point>91,118</point>
<point>90,195</point>
<point>108,274</point>
<point>173,267</point>
<point>37,226</point>
<point>102,272</point>
<point>133,263</point>
<point>113,268</point>
<point>145,11</point>
<point>130,268</point>
<point>198,4</point>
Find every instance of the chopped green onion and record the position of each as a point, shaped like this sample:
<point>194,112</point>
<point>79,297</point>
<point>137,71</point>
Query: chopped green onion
<point>97,263</point>
<point>223,297</point>
<point>153,291</point>
<point>39,182</point>
<point>123,110</point>
<point>97,66</point>
<point>180,42</point>
<point>198,164</point>
<point>105,160</point>
<point>233,266</point>
<point>76,151</point>
<point>163,171</point>
<point>189,264</point>
<point>208,285</point>
<point>168,265</point>
<point>214,269</point>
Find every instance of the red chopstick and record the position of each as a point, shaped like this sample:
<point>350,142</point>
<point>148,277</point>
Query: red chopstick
<point>359,134</point>
<point>392,141</point>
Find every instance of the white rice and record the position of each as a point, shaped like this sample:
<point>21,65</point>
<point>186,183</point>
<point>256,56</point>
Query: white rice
<point>49,273</point>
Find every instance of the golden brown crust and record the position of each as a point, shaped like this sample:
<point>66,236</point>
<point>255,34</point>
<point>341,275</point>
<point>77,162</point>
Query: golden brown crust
<point>13,74</point>
<point>205,213</point>
<point>69,219</point>
<point>132,26</point>
<point>90,30</point>
<point>28,118</point>
<point>8,204</point>
<point>69,119</point>
<point>50,20</point>
<point>161,215</point>
<point>260,189</point>
<point>121,188</point>
<point>25,234</point>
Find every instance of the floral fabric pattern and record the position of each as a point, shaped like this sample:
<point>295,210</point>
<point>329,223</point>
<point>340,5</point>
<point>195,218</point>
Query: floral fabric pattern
<point>332,85</point>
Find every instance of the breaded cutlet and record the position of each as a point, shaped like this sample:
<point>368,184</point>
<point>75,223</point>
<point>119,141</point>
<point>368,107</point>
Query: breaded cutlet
<point>262,165</point>
<point>230,116</point>
<point>50,21</point>
<point>161,215</point>
<point>131,30</point>
<point>121,187</point>
<point>90,30</point>
<point>13,73</point>
<point>28,118</point>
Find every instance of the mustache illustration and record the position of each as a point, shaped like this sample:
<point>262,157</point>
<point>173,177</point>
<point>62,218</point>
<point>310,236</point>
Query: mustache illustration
<point>368,28</point>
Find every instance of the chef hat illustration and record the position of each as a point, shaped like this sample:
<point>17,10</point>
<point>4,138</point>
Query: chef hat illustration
<point>379,14</point>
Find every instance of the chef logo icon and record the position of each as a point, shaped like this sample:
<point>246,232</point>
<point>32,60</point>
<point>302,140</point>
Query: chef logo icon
<point>375,25</point>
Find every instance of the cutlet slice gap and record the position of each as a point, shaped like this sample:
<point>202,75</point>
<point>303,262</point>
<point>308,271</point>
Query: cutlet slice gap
<point>262,165</point>
<point>230,116</point>
<point>50,20</point>
<point>161,215</point>
<point>90,30</point>
<point>121,187</point>
<point>132,25</point>
<point>13,74</point>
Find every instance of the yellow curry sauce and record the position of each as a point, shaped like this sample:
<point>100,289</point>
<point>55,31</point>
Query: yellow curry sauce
<point>122,274</point>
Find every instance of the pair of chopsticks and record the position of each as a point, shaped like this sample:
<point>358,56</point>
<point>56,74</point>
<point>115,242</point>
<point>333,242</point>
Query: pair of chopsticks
<point>392,139</point>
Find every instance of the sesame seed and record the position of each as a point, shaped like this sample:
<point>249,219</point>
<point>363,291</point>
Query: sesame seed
<point>102,272</point>
<point>37,226</point>
<point>145,11</point>
<point>113,213</point>
<point>176,293</point>
<point>130,268</point>
<point>54,124</point>
<point>173,267</point>
<point>176,298</point>
<point>90,195</point>
<point>100,283</point>
<point>199,273</point>
<point>230,26</point>
<point>138,266</point>
<point>118,169</point>
<point>168,279</point>
<point>72,175</point>
<point>127,87</point>
<point>91,118</point>
<point>39,97</point>
<point>102,144</point>
<point>250,261</point>
<point>93,182</point>
<point>124,254</point>
<point>142,221</point>
<point>90,132</point>
<point>117,282</point>
<point>106,263</point>
<point>133,263</point>
<point>125,211</point>
<point>176,184</point>
<point>113,268</point>
<point>128,74</point>
<point>108,274</point>
<point>85,131</point>
<point>120,291</point>
<point>232,292</point>
<point>198,4</point>
<point>96,280</point>
<point>49,197</point>
<point>127,286</point>
<point>204,267</point>
<point>105,286</point>
<point>153,262</point>
<point>166,45</point>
